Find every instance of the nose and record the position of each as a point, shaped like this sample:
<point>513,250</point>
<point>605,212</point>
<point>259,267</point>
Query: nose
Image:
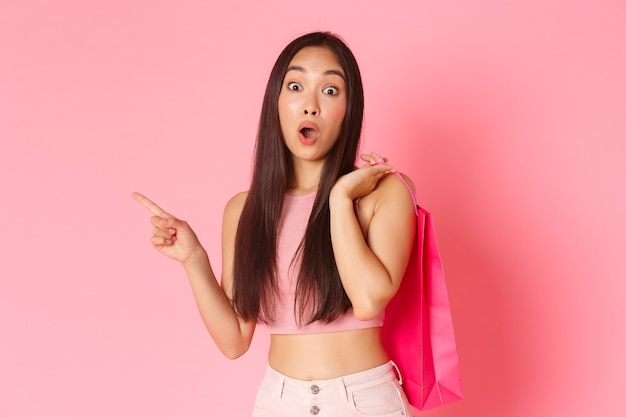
<point>311,106</point>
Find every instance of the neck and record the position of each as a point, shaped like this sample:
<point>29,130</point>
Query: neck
<point>305,178</point>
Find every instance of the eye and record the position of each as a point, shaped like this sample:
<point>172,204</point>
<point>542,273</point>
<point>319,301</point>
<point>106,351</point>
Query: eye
<point>331,91</point>
<point>294,86</point>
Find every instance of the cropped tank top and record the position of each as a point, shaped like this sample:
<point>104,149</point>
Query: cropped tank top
<point>294,219</point>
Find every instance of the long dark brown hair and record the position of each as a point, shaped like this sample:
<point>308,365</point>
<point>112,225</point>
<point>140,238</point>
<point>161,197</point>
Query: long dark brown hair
<point>319,289</point>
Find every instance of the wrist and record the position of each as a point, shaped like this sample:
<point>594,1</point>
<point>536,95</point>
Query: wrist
<point>196,259</point>
<point>339,198</point>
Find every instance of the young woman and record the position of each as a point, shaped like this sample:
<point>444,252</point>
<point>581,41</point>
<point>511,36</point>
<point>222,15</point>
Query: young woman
<point>315,249</point>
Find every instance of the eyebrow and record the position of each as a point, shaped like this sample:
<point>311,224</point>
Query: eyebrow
<point>328,72</point>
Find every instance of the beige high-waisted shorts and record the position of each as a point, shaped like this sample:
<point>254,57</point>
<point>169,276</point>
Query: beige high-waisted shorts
<point>374,392</point>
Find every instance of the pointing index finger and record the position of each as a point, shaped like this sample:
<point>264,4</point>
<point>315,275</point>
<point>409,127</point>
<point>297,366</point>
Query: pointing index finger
<point>150,205</point>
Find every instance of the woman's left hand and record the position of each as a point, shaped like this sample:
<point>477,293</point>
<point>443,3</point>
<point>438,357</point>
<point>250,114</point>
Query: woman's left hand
<point>362,181</point>
<point>373,158</point>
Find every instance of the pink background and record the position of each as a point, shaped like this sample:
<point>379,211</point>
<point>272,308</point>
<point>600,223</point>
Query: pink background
<point>508,115</point>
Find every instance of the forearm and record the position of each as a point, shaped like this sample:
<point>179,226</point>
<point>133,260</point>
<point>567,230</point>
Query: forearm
<point>215,308</point>
<point>365,279</point>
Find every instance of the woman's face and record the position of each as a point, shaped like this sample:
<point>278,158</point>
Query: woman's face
<point>312,103</point>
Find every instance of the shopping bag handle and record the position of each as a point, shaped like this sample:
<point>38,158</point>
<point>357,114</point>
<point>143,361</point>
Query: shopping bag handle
<point>406,183</point>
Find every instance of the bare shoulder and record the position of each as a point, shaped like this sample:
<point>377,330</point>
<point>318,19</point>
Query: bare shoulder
<point>392,190</point>
<point>232,213</point>
<point>234,206</point>
<point>390,201</point>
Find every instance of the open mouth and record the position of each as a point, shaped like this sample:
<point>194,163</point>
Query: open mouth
<point>308,132</point>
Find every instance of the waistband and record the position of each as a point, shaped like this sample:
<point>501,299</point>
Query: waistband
<point>335,388</point>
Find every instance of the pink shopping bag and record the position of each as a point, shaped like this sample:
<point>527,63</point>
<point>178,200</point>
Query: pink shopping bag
<point>418,332</point>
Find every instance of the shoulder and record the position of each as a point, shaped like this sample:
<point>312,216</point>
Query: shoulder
<point>392,191</point>
<point>236,203</point>
<point>234,207</point>
<point>390,202</point>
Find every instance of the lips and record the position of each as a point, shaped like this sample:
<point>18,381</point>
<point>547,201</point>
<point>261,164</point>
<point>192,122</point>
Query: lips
<point>308,132</point>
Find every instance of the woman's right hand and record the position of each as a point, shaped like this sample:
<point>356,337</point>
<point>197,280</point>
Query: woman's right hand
<point>170,236</point>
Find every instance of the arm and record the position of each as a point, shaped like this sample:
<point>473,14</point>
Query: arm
<point>371,270</point>
<point>245,330</point>
<point>175,239</point>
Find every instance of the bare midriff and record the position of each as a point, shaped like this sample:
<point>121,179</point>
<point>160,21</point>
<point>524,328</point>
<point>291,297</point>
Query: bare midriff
<point>326,355</point>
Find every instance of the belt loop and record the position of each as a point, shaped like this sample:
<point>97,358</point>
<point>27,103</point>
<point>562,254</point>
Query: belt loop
<point>397,371</point>
<point>280,386</point>
<point>343,391</point>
